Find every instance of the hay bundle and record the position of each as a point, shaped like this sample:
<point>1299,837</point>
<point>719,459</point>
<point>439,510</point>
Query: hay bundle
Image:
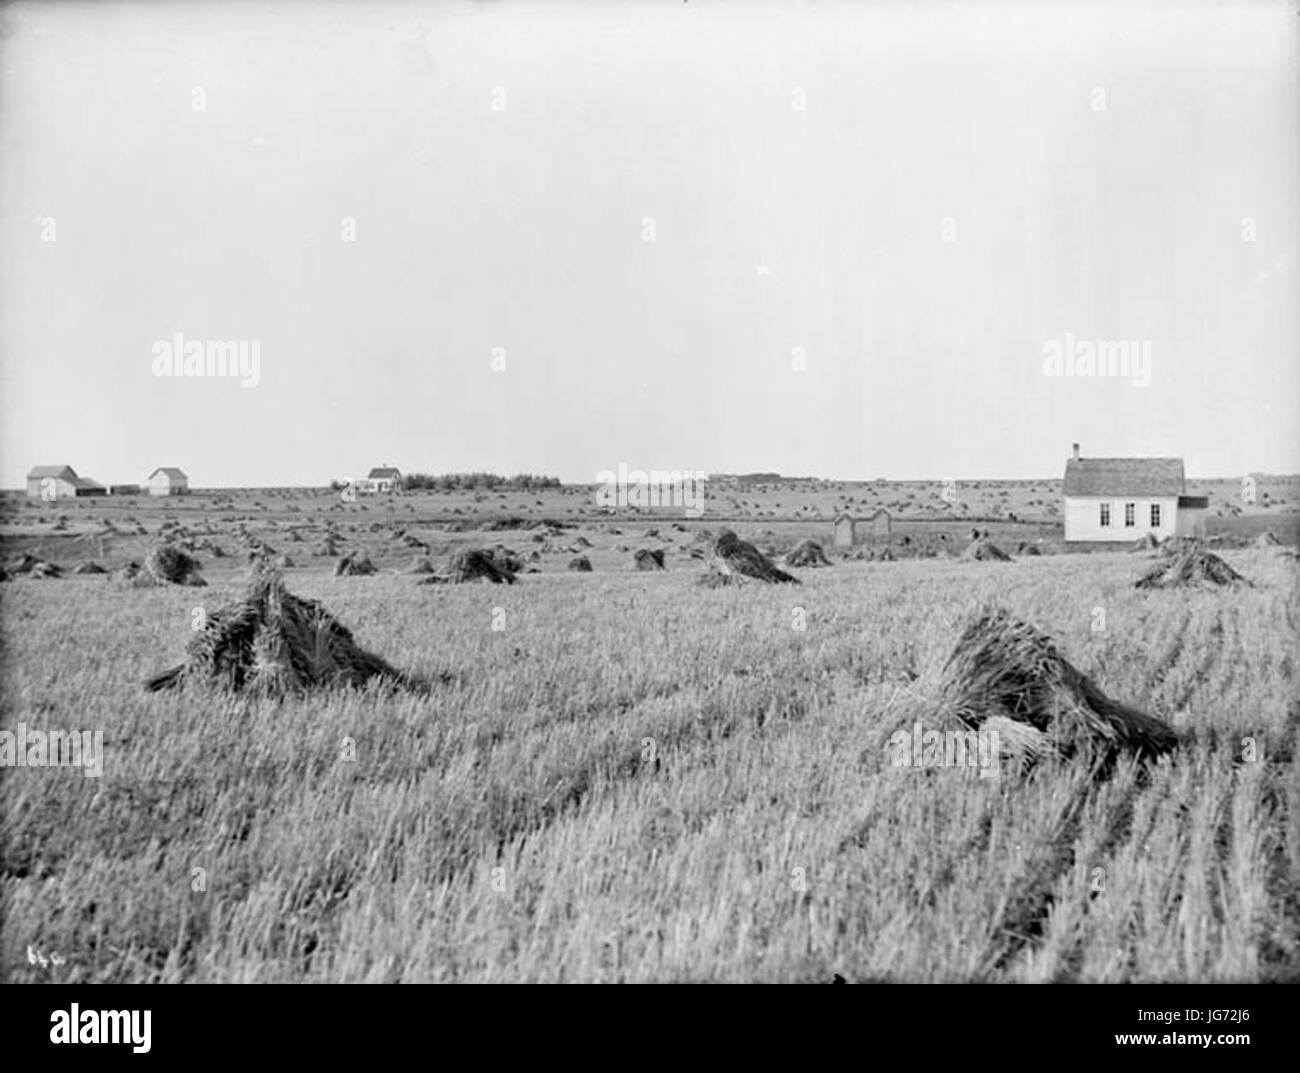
<point>1147,543</point>
<point>420,565</point>
<point>274,642</point>
<point>583,542</point>
<point>45,570</point>
<point>89,568</point>
<point>648,559</point>
<point>476,564</point>
<point>807,553</point>
<point>984,550</point>
<point>1190,567</point>
<point>357,564</point>
<point>1026,548</point>
<point>1266,540</point>
<point>25,565</point>
<point>1005,668</point>
<point>166,564</point>
<point>581,564</point>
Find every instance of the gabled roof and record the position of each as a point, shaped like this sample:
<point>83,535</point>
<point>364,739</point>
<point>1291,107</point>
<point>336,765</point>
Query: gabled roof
<point>85,482</point>
<point>171,471</point>
<point>384,473</point>
<point>1123,477</point>
<point>66,472</point>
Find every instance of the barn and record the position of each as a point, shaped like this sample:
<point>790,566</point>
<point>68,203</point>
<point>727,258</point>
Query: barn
<point>52,482</point>
<point>168,481</point>
<point>1119,500</point>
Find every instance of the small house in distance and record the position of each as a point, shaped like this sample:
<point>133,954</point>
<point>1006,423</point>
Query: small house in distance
<point>881,523</point>
<point>1119,500</point>
<point>168,481</point>
<point>380,479</point>
<point>52,482</point>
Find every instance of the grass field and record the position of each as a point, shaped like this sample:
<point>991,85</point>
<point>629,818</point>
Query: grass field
<point>633,779</point>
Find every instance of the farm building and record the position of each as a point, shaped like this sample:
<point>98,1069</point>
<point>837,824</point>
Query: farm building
<point>845,531</point>
<point>168,481</point>
<point>52,482</point>
<point>124,489</point>
<point>1122,499</point>
<point>849,530</point>
<point>87,487</point>
<point>380,479</point>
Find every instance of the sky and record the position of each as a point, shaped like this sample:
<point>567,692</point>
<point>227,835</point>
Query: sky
<point>820,239</point>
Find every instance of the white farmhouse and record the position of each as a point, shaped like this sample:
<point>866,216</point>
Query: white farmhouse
<point>381,479</point>
<point>1120,500</point>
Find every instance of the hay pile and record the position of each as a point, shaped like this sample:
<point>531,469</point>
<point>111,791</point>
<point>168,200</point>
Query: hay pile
<point>984,550</point>
<point>25,565</point>
<point>1191,566</point>
<point>45,570</point>
<point>273,642</point>
<point>648,559</point>
<point>1266,540</point>
<point>1005,669</point>
<point>581,564</point>
<point>355,564</point>
<point>420,565</point>
<point>166,564</point>
<point>1147,543</point>
<point>807,553</point>
<point>89,568</point>
<point>1026,548</point>
<point>475,564</point>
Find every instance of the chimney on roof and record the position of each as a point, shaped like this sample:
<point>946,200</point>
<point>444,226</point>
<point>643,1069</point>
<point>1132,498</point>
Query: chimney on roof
<point>1076,452</point>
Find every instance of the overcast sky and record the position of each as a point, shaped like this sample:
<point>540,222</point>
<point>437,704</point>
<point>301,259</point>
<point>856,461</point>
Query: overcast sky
<point>869,225</point>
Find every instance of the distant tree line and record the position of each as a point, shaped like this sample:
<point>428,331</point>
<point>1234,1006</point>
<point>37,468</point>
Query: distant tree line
<point>466,482</point>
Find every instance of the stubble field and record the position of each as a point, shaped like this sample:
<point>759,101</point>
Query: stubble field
<point>629,778</point>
